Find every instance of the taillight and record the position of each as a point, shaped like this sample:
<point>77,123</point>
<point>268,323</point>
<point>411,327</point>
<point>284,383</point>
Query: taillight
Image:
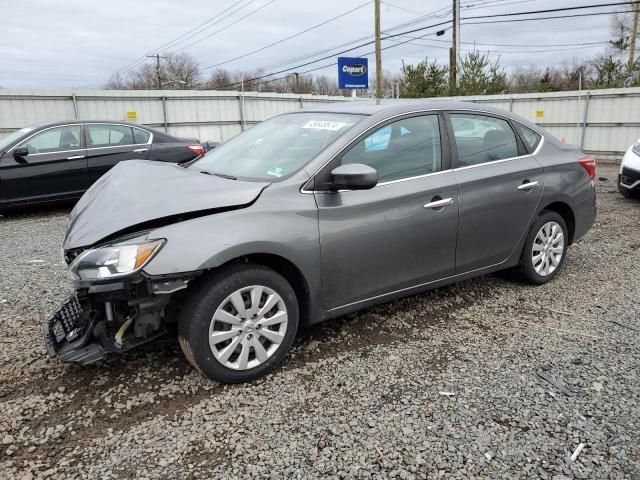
<point>589,164</point>
<point>196,148</point>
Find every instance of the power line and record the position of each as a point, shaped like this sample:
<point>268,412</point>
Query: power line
<point>177,39</point>
<point>441,12</point>
<point>423,28</point>
<point>192,33</point>
<point>227,26</point>
<point>565,49</point>
<point>553,10</point>
<point>290,60</point>
<point>547,18</point>
<point>290,36</point>
<point>564,9</point>
<point>519,44</point>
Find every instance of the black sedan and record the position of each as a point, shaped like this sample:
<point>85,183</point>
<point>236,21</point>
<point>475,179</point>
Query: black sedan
<point>59,161</point>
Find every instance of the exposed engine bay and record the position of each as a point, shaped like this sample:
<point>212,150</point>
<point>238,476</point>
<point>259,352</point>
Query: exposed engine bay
<point>113,317</point>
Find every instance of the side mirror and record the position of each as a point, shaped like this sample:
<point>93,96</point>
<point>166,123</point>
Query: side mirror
<point>20,152</point>
<point>354,176</point>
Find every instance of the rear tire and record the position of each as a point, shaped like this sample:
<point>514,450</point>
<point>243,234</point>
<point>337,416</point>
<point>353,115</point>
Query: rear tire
<point>545,248</point>
<point>233,345</point>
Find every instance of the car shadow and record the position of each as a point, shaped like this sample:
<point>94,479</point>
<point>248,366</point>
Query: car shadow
<point>60,208</point>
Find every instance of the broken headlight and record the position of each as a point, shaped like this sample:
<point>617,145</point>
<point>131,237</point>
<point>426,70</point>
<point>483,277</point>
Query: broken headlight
<point>113,261</point>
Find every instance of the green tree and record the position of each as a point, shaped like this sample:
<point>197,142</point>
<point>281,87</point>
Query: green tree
<point>478,76</point>
<point>424,79</point>
<point>609,71</point>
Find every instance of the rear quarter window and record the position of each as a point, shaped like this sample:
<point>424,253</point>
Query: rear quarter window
<point>140,136</point>
<point>530,138</point>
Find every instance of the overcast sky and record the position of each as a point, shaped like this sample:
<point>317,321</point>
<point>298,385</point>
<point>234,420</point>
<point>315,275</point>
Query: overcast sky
<point>77,43</point>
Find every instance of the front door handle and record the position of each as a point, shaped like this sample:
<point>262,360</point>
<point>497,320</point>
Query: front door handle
<point>527,185</point>
<point>75,157</point>
<point>443,202</point>
<point>138,150</point>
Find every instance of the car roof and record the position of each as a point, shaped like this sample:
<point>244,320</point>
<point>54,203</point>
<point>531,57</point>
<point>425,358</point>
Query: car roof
<point>370,107</point>
<point>67,122</point>
<point>390,107</point>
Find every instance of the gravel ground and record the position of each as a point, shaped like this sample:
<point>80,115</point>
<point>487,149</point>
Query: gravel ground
<point>489,378</point>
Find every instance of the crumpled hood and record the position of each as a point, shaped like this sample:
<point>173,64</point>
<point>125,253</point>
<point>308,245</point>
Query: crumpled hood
<point>142,192</point>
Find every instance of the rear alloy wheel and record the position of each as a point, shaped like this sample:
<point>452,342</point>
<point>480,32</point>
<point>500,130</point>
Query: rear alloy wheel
<point>545,248</point>
<point>239,324</point>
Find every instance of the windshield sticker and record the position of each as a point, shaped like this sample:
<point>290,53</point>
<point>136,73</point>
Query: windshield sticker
<point>277,172</point>
<point>324,125</point>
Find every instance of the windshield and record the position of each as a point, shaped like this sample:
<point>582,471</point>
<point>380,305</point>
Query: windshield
<point>277,147</point>
<point>8,140</point>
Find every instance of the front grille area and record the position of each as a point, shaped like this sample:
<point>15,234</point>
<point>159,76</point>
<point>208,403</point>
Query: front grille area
<point>72,254</point>
<point>629,177</point>
<point>69,319</point>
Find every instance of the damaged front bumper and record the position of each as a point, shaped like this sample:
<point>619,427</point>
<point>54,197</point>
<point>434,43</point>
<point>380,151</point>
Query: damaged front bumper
<point>67,334</point>
<point>112,317</point>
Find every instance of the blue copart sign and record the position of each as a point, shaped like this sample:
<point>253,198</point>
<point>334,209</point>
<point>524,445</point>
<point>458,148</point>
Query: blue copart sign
<point>353,72</point>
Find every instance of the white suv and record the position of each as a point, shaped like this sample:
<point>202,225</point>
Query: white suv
<point>629,177</point>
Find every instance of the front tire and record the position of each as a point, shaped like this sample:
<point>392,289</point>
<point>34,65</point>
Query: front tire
<point>239,323</point>
<point>545,248</point>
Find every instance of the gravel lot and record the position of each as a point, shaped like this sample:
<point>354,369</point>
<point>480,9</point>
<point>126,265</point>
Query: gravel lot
<point>489,378</point>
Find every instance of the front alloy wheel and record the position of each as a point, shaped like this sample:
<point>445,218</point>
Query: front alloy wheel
<point>238,323</point>
<point>248,327</point>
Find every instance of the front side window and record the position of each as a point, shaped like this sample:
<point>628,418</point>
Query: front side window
<point>8,140</point>
<point>277,147</point>
<point>100,135</point>
<point>54,140</point>
<point>481,139</point>
<point>407,148</point>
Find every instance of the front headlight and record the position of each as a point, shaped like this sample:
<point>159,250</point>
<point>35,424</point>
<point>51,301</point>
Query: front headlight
<point>636,147</point>
<point>113,261</point>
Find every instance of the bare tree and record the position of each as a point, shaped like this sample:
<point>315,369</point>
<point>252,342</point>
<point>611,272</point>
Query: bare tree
<point>218,79</point>
<point>181,69</point>
<point>325,85</point>
<point>176,71</point>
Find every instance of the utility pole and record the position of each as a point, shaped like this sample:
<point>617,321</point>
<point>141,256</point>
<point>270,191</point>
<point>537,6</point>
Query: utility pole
<point>454,51</point>
<point>157,57</point>
<point>634,36</point>
<point>378,53</point>
<point>297,81</point>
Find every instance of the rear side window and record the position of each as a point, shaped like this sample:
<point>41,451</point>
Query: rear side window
<point>407,148</point>
<point>109,135</point>
<point>140,136</point>
<point>482,139</point>
<point>54,140</point>
<point>530,138</point>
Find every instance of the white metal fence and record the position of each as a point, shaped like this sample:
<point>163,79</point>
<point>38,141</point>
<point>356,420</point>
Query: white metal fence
<point>207,115</point>
<point>604,122</point>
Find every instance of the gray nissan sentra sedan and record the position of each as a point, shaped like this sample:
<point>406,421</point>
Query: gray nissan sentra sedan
<point>311,215</point>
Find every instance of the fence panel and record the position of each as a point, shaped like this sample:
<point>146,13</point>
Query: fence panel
<point>611,123</point>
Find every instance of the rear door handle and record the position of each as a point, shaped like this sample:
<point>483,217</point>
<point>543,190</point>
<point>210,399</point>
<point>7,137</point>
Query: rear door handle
<point>527,185</point>
<point>443,202</point>
<point>75,157</point>
<point>138,150</point>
